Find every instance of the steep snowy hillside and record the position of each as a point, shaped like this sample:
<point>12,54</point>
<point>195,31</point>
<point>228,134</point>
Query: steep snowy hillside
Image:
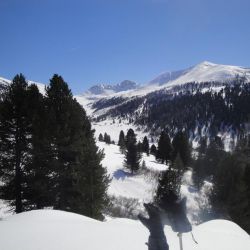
<point>202,72</point>
<point>4,81</point>
<point>57,230</point>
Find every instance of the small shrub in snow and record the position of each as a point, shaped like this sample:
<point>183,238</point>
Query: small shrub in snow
<point>123,207</point>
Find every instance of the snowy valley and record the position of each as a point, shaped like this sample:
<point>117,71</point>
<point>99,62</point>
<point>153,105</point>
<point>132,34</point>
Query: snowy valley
<point>112,108</point>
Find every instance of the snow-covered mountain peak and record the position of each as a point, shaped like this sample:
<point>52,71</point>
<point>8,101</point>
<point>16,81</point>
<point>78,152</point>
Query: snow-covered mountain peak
<point>206,63</point>
<point>107,89</point>
<point>203,72</point>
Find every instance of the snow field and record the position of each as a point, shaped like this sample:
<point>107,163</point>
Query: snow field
<point>58,230</point>
<point>123,183</point>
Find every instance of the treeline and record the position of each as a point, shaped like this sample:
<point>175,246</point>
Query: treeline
<point>48,155</point>
<point>105,138</point>
<point>166,151</point>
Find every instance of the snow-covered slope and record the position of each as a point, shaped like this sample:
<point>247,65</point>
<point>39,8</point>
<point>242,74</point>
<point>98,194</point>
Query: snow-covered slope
<point>108,89</point>
<point>202,72</point>
<point>4,81</point>
<point>41,86</point>
<point>123,183</point>
<point>57,230</point>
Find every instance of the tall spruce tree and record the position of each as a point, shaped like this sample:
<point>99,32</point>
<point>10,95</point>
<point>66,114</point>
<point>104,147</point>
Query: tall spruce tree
<point>90,179</point>
<point>145,145</point>
<point>37,193</point>
<point>121,142</point>
<point>164,150</point>
<point>139,147</point>
<point>153,150</point>
<point>181,146</point>
<point>15,137</point>
<point>107,138</point>
<point>80,182</point>
<point>100,137</point>
<point>169,182</point>
<point>132,156</point>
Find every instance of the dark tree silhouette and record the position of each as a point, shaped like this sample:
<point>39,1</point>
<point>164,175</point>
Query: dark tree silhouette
<point>132,156</point>
<point>157,239</point>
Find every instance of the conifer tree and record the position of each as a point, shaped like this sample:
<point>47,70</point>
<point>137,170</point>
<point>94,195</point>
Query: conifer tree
<point>132,156</point>
<point>121,138</point>
<point>100,138</point>
<point>164,148</point>
<point>15,140</point>
<point>177,164</point>
<point>153,150</point>
<point>80,182</point>
<point>90,179</point>
<point>169,181</point>
<point>107,138</point>
<point>38,192</point>
<point>121,142</point>
<point>181,145</point>
<point>145,145</point>
<point>139,147</point>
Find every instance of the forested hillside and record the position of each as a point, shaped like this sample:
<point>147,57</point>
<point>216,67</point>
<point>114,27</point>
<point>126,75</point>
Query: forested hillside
<point>203,109</point>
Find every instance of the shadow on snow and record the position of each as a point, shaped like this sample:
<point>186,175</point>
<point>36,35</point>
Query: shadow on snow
<point>121,174</point>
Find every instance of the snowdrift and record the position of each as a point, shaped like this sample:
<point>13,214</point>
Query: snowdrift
<point>57,230</point>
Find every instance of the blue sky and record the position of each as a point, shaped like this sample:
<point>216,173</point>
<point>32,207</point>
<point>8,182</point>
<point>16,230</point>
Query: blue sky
<point>107,41</point>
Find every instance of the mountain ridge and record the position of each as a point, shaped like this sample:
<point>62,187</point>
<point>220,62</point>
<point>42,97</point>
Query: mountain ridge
<point>105,89</point>
<point>202,72</point>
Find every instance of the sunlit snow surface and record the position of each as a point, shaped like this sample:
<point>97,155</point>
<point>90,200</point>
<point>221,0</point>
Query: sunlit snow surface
<point>52,230</point>
<point>142,187</point>
<point>123,182</point>
<point>57,230</point>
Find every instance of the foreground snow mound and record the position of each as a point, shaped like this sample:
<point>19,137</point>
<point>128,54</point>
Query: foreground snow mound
<point>57,230</point>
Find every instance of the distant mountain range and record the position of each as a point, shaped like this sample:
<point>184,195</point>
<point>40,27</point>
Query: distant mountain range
<point>102,89</point>
<point>202,72</point>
